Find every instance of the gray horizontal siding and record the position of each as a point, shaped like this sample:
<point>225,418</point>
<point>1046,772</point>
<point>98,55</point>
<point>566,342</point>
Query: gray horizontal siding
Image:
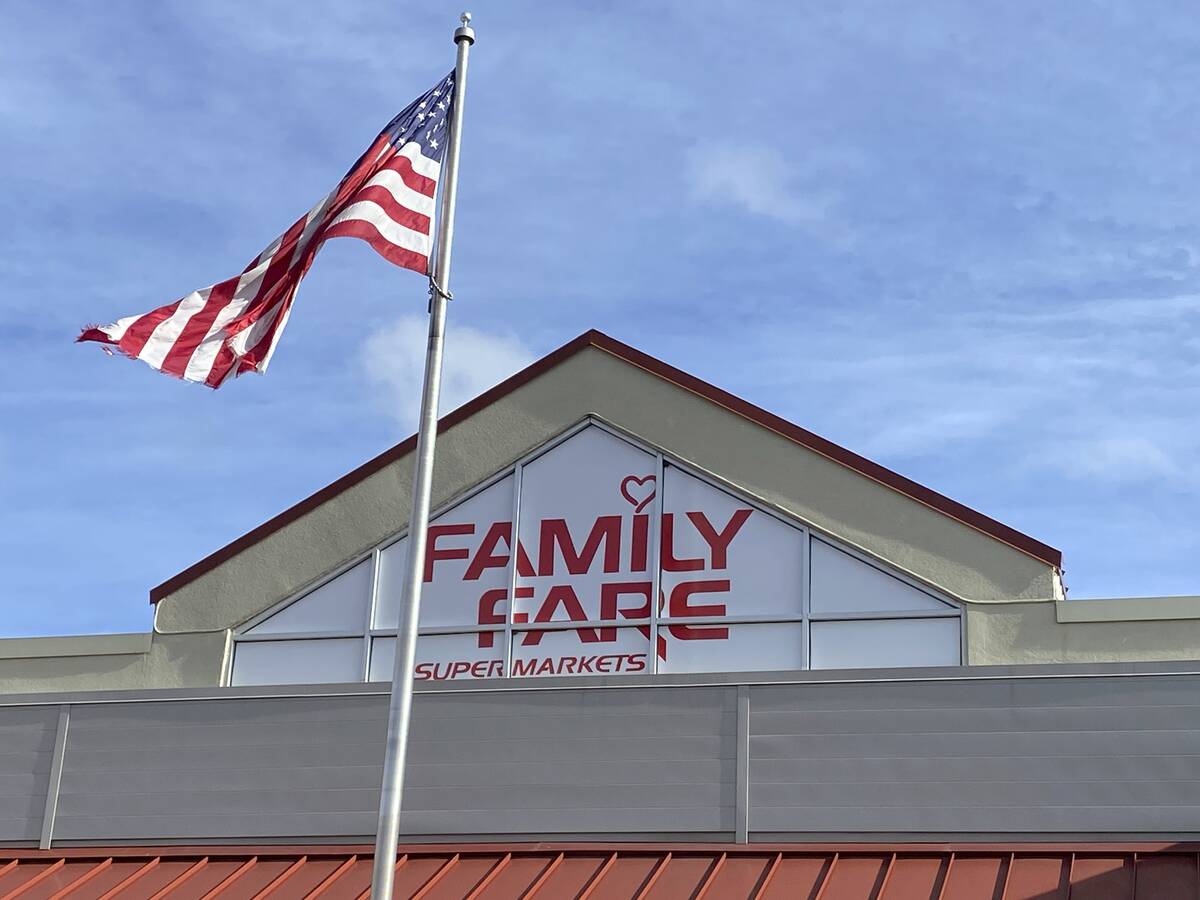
<point>26,750</point>
<point>1022,756</point>
<point>507,763</point>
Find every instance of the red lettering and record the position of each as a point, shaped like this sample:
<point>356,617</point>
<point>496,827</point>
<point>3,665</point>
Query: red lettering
<point>523,667</point>
<point>488,614</point>
<point>421,672</point>
<point>564,595</point>
<point>546,667</point>
<point>604,663</point>
<point>459,668</point>
<point>495,668</point>
<point>640,549</point>
<point>719,541</point>
<point>679,607</point>
<point>637,662</point>
<point>669,562</point>
<point>522,593</point>
<point>487,558</point>
<point>607,530</point>
<point>609,605</point>
<point>433,554</point>
<point>480,669</point>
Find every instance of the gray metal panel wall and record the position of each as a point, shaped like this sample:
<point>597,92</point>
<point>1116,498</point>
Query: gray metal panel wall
<point>26,751</point>
<point>1087,755</point>
<point>537,762</point>
<point>214,768</point>
<point>934,754</point>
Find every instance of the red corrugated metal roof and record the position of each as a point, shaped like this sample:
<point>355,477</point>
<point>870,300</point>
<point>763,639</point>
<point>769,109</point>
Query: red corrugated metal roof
<point>614,872</point>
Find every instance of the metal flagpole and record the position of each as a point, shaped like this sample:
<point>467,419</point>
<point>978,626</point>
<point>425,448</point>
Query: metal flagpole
<point>400,708</point>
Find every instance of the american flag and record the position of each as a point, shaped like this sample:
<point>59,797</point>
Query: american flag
<point>386,199</point>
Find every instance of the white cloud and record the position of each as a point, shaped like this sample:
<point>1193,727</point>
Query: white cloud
<point>394,360</point>
<point>1112,458</point>
<point>757,179</point>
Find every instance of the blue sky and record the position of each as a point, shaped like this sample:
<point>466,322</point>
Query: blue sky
<point>962,238</point>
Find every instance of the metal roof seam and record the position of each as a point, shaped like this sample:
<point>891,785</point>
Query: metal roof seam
<point>134,876</point>
<point>279,879</point>
<point>544,877</point>
<point>192,870</point>
<point>37,879</point>
<point>79,882</point>
<point>437,876</point>
<point>597,876</point>
<point>332,877</point>
<point>945,874</point>
<point>1003,874</point>
<point>491,875</point>
<point>653,877</point>
<point>887,876</point>
<point>232,877</point>
<point>768,876</point>
<point>366,894</point>
<point>827,877</point>
<point>710,877</point>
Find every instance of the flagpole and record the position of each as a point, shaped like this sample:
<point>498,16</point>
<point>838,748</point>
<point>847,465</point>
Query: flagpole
<point>400,707</point>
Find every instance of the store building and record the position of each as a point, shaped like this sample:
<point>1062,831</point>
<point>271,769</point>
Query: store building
<point>841,667</point>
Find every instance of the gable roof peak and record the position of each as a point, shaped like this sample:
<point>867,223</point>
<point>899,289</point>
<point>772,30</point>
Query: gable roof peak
<point>594,338</point>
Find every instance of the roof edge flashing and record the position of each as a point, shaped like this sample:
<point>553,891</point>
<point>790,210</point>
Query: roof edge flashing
<point>1128,609</point>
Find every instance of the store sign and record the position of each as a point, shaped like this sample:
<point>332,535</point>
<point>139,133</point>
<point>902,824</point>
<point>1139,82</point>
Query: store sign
<point>585,551</point>
<point>553,569</point>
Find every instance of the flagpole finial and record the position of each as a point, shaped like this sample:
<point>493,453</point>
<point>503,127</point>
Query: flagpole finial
<point>464,32</point>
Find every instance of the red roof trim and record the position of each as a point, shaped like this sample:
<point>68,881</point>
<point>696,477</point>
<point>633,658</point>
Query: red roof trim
<point>493,848</point>
<point>599,340</point>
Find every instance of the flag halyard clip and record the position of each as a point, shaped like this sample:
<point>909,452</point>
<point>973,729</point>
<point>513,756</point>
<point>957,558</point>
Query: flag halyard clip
<point>436,289</point>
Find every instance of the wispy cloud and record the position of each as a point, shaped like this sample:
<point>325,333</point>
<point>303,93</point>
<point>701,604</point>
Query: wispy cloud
<point>1111,457</point>
<point>393,359</point>
<point>756,179</point>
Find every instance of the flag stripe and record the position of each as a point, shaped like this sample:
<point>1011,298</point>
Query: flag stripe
<point>163,338</point>
<point>408,259</point>
<point>389,228</point>
<point>391,181</point>
<point>177,359</point>
<point>409,172</point>
<point>136,335</point>
<point>397,212</point>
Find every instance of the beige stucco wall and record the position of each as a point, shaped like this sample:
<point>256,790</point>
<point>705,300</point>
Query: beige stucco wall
<point>1083,631</point>
<point>111,662</point>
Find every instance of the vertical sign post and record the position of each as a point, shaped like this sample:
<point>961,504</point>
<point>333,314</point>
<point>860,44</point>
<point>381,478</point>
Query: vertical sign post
<point>400,707</point>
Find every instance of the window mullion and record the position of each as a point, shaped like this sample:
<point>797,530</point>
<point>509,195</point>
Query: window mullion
<point>656,516</point>
<point>372,603</point>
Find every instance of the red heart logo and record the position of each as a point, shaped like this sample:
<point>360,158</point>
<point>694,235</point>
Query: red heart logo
<point>638,491</point>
